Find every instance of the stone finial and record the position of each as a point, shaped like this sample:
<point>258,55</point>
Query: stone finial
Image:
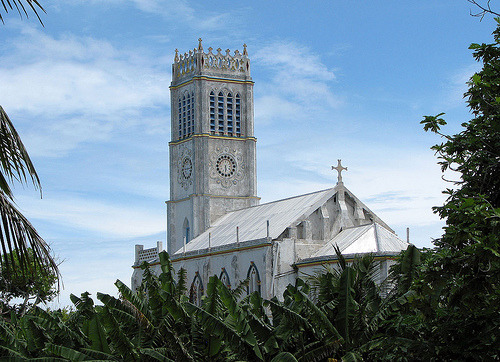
<point>200,47</point>
<point>219,50</point>
<point>227,52</point>
<point>210,49</point>
<point>176,59</point>
<point>339,169</point>
<point>245,50</point>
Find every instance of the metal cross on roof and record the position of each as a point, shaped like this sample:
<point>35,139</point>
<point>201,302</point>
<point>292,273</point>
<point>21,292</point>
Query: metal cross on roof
<point>339,169</point>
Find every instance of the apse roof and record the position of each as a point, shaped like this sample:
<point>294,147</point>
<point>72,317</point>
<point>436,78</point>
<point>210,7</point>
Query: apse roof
<point>252,221</point>
<point>371,238</point>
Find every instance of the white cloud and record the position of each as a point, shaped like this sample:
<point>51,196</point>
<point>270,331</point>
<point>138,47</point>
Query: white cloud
<point>456,86</point>
<point>110,219</point>
<point>294,59</point>
<point>400,186</point>
<point>44,75</point>
<point>182,12</point>
<point>300,84</point>
<point>76,89</point>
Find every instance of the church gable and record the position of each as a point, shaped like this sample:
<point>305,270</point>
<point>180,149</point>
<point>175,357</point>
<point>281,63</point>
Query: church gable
<point>258,223</point>
<point>310,219</point>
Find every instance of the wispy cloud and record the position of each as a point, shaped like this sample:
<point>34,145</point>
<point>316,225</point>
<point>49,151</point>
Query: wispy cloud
<point>300,82</point>
<point>111,219</point>
<point>183,12</point>
<point>67,75</point>
<point>77,89</point>
<point>456,86</point>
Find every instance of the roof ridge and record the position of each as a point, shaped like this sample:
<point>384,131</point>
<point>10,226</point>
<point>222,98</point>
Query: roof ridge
<point>280,200</point>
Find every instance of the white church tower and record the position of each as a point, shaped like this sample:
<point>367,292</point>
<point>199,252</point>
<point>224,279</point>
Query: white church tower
<point>212,147</point>
<point>216,225</point>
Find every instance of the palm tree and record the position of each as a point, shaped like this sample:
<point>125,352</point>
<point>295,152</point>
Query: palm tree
<point>17,235</point>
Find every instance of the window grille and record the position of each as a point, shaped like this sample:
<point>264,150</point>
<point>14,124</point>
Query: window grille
<point>186,115</point>
<point>237,116</point>
<point>212,113</point>
<point>220,113</point>
<point>229,114</point>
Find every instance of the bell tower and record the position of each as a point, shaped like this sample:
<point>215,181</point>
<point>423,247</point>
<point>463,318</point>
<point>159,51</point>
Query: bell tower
<point>212,147</point>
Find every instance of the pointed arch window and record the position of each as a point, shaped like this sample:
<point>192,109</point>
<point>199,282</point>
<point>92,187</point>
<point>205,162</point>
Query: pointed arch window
<point>225,114</point>
<point>237,115</point>
<point>220,113</point>
<point>253,279</point>
<point>212,112</point>
<point>186,115</point>
<point>224,278</point>
<point>229,114</point>
<point>196,290</point>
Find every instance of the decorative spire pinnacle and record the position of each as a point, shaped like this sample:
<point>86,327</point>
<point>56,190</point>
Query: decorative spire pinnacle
<point>200,47</point>
<point>176,59</point>
<point>339,169</point>
<point>245,49</point>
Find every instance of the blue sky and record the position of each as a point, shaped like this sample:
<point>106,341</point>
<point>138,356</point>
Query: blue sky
<point>333,79</point>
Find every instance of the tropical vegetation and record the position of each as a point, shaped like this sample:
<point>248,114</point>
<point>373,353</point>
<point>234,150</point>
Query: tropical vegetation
<point>438,304</point>
<point>27,267</point>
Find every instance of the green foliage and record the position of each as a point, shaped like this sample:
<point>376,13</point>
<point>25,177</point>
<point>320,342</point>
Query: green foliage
<point>453,311</point>
<point>29,288</point>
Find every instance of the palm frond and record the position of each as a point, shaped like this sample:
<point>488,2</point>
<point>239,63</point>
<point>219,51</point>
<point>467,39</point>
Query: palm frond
<point>284,357</point>
<point>121,342</point>
<point>65,352</point>
<point>181,283</point>
<point>244,338</point>
<point>34,5</point>
<point>240,289</point>
<point>156,354</point>
<point>17,234</point>
<point>320,353</point>
<point>15,163</point>
<point>347,306</point>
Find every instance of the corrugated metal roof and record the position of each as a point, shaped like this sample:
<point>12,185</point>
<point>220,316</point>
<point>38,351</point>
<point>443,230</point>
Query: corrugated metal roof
<point>371,238</point>
<point>252,221</point>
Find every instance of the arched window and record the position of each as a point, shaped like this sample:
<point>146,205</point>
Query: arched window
<point>180,118</point>
<point>187,231</point>
<point>220,113</point>
<point>196,290</point>
<point>186,115</point>
<point>212,112</point>
<point>225,114</point>
<point>237,115</point>
<point>253,279</point>
<point>224,278</point>
<point>229,114</point>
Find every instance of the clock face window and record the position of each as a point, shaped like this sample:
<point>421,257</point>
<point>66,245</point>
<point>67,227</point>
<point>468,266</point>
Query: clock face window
<point>226,165</point>
<point>187,168</point>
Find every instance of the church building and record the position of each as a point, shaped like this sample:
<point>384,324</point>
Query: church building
<point>215,224</point>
